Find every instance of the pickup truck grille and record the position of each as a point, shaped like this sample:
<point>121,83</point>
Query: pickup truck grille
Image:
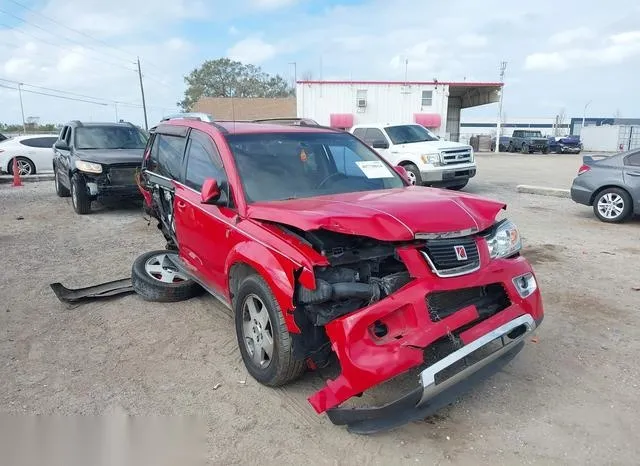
<point>453,156</point>
<point>452,257</point>
<point>488,300</point>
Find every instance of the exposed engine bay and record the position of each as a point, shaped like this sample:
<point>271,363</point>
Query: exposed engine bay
<point>362,271</point>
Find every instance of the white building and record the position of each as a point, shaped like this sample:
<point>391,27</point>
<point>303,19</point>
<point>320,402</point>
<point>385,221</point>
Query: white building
<point>436,105</point>
<point>610,138</point>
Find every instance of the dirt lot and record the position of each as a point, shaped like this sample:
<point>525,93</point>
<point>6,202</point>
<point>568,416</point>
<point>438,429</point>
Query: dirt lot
<point>568,398</point>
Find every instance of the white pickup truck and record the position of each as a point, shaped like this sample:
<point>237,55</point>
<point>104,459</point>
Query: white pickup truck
<point>428,159</point>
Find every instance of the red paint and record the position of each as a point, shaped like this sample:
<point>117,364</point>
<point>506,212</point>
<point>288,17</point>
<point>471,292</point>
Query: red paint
<point>341,120</point>
<point>215,239</point>
<point>411,83</point>
<point>428,120</point>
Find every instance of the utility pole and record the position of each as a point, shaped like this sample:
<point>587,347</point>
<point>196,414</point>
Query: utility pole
<point>406,71</point>
<point>584,114</point>
<point>295,74</point>
<point>144,103</point>
<point>503,67</point>
<point>24,124</point>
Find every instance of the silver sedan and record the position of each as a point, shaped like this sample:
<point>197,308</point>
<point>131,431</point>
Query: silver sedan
<point>611,184</point>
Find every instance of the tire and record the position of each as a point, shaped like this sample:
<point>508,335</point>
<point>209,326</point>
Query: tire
<point>79,196</point>
<point>154,278</point>
<point>546,150</point>
<point>524,149</point>
<point>510,148</point>
<point>413,173</point>
<point>612,205</point>
<point>458,187</point>
<point>254,331</point>
<point>25,166</point>
<point>61,191</point>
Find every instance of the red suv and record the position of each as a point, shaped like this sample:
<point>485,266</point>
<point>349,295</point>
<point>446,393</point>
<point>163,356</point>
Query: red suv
<point>329,257</point>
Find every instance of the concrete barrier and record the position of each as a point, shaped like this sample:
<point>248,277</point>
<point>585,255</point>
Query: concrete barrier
<point>4,179</point>
<point>543,191</point>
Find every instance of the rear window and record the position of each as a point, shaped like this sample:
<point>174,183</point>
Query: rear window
<point>45,142</point>
<point>277,166</point>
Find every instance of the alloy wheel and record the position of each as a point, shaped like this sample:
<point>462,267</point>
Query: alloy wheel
<point>162,269</point>
<point>24,167</point>
<point>257,331</point>
<point>611,206</point>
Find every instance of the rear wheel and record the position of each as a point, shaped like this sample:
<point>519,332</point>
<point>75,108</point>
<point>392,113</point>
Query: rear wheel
<point>510,148</point>
<point>25,166</point>
<point>413,173</point>
<point>264,341</point>
<point>524,149</point>
<point>155,277</point>
<point>612,205</point>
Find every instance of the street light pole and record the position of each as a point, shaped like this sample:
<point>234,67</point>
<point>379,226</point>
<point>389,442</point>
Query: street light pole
<point>503,67</point>
<point>584,114</point>
<point>295,74</point>
<point>24,125</point>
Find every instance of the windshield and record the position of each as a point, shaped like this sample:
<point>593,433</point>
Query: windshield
<point>277,166</point>
<point>531,134</point>
<point>109,137</point>
<point>406,134</point>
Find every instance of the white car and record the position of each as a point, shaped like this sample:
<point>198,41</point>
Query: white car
<point>34,154</point>
<point>428,159</point>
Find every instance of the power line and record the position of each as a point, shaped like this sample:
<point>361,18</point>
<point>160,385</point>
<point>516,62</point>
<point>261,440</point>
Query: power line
<point>53,95</point>
<point>48,18</point>
<point>66,48</point>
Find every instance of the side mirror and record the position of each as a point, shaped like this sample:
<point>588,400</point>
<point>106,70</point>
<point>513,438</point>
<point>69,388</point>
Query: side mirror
<point>61,145</point>
<point>210,191</point>
<point>402,172</point>
<point>380,144</point>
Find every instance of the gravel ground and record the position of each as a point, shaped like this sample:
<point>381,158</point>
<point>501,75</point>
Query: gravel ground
<point>568,398</point>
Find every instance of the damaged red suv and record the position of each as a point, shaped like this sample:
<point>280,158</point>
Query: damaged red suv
<point>329,257</point>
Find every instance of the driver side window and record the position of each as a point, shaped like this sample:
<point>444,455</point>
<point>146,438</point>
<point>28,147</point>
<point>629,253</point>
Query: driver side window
<point>203,161</point>
<point>345,160</point>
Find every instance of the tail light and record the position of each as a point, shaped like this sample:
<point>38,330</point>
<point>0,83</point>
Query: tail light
<point>583,169</point>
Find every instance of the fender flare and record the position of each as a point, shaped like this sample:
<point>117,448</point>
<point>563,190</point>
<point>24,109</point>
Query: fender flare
<point>279,273</point>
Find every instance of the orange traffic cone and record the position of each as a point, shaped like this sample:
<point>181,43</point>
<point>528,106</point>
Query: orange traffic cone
<point>16,173</point>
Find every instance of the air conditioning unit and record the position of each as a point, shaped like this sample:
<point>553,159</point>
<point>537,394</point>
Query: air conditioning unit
<point>361,103</point>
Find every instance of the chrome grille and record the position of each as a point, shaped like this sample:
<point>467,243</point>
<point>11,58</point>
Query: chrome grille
<point>453,156</point>
<point>452,257</point>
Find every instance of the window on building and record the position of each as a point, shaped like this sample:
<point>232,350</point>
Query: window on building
<point>427,98</point>
<point>361,98</point>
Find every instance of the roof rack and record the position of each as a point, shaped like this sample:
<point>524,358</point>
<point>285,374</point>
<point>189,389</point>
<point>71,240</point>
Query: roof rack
<point>289,121</point>
<point>206,117</point>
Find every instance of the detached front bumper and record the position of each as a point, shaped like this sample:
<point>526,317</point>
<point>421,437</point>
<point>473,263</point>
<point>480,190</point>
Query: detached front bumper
<point>367,360</point>
<point>570,150</point>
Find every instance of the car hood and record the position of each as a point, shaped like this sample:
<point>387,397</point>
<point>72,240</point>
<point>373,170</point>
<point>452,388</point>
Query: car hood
<point>387,215</point>
<point>430,146</point>
<point>111,156</point>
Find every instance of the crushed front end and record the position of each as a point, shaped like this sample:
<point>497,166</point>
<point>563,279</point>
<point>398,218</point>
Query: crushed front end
<point>454,307</point>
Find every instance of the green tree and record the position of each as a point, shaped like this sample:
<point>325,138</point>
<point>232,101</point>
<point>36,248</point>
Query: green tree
<point>227,78</point>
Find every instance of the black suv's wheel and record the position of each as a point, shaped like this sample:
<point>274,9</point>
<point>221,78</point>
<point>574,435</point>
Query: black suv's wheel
<point>510,148</point>
<point>79,195</point>
<point>264,341</point>
<point>524,149</point>
<point>413,173</point>
<point>546,150</point>
<point>612,205</point>
<point>61,191</point>
<point>155,277</point>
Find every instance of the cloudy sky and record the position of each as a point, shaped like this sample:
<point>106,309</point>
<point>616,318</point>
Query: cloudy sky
<point>560,55</point>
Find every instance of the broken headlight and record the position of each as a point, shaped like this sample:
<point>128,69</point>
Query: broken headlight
<point>504,240</point>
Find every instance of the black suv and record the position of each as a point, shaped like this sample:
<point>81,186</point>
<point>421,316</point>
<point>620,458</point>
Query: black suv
<point>97,160</point>
<point>528,141</point>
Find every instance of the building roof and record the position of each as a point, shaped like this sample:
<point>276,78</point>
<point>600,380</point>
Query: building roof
<point>410,83</point>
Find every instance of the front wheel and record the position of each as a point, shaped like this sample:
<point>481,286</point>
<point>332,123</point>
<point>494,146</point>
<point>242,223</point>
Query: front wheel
<point>413,173</point>
<point>612,205</point>
<point>79,196</point>
<point>264,341</point>
<point>524,149</point>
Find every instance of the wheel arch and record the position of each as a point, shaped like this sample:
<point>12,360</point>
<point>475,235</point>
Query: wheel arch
<point>10,163</point>
<point>280,274</point>
<point>607,186</point>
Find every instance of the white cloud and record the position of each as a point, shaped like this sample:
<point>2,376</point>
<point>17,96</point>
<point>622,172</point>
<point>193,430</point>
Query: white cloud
<point>570,36</point>
<point>272,4</point>
<point>473,41</point>
<point>252,50</point>
<point>616,49</point>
